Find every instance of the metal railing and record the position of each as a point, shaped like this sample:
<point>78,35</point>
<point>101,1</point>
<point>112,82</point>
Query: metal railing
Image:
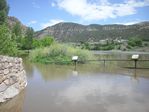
<point>101,60</point>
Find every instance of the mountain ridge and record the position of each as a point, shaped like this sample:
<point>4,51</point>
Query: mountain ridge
<point>74,32</point>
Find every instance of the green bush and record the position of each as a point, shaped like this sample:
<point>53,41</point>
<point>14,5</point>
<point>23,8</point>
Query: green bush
<point>86,45</point>
<point>36,43</point>
<point>59,54</point>
<point>105,47</point>
<point>135,42</point>
<point>146,44</point>
<point>46,41</point>
<point>131,43</point>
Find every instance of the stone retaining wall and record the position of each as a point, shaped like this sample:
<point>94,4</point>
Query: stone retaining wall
<point>12,77</point>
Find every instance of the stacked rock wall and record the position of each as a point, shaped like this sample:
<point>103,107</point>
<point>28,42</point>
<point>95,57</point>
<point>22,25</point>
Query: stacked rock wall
<point>12,77</point>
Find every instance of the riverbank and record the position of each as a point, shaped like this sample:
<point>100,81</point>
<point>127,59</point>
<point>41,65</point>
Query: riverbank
<point>140,49</point>
<point>96,52</point>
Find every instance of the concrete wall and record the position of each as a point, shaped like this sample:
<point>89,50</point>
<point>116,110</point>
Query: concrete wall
<point>12,77</point>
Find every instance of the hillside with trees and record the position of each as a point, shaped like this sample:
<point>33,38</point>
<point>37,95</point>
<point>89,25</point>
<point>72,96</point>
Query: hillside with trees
<point>13,35</point>
<point>72,32</point>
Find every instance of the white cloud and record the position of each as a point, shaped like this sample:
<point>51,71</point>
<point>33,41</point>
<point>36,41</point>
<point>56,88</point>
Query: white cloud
<point>35,5</point>
<point>53,4</point>
<point>32,22</point>
<point>100,9</point>
<point>130,22</point>
<point>51,22</point>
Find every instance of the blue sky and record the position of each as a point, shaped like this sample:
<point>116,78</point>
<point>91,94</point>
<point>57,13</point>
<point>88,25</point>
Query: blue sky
<point>42,13</point>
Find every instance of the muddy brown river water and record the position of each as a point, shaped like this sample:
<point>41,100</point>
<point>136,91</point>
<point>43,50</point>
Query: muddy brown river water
<point>92,87</point>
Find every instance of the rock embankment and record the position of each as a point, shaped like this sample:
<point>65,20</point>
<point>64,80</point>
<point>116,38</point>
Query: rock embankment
<point>12,77</point>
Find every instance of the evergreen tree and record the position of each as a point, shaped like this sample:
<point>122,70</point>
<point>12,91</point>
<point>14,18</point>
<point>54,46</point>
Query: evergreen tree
<point>3,11</point>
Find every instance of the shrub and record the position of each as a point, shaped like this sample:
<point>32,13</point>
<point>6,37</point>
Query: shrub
<point>46,41</point>
<point>36,43</point>
<point>135,42</point>
<point>59,54</point>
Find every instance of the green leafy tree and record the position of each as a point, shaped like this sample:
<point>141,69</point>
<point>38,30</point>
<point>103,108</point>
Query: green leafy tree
<point>36,43</point>
<point>47,41</point>
<point>3,11</point>
<point>8,45</point>
<point>28,40</point>
<point>17,31</point>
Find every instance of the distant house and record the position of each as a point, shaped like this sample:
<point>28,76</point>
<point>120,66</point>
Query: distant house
<point>103,42</point>
<point>120,41</point>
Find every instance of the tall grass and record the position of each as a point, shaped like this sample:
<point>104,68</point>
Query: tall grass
<point>59,54</point>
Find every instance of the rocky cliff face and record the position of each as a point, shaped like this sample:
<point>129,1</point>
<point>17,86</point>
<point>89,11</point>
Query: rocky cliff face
<point>72,32</point>
<point>12,77</point>
<point>12,21</point>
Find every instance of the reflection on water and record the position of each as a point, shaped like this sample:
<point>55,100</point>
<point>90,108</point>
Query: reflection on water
<point>75,73</point>
<point>14,105</point>
<point>88,88</point>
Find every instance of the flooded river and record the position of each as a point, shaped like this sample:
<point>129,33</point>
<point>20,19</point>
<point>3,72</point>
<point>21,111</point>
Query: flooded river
<point>91,87</point>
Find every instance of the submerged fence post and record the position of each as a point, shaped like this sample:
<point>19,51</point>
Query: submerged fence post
<point>135,58</point>
<point>136,63</point>
<point>75,59</point>
<point>104,62</point>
